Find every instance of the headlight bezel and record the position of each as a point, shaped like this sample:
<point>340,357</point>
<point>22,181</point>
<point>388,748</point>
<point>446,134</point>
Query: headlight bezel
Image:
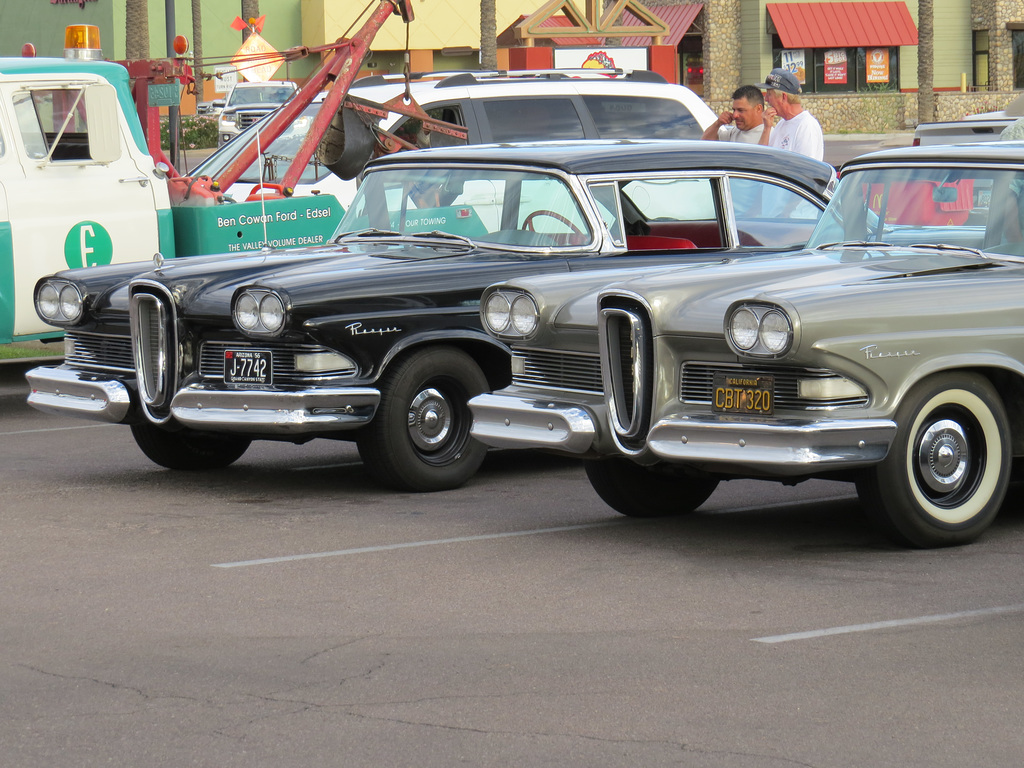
<point>250,312</point>
<point>776,330</point>
<point>66,302</point>
<point>499,313</point>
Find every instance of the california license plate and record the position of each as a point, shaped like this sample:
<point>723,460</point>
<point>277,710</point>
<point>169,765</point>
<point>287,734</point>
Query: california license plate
<point>736,393</point>
<point>248,367</point>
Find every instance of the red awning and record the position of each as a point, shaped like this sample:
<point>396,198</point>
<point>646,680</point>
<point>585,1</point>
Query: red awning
<point>843,25</point>
<point>679,18</point>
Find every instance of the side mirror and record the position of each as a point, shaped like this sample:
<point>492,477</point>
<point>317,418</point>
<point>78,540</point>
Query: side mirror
<point>103,110</point>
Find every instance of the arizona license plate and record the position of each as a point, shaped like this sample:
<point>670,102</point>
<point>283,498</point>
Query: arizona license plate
<point>736,393</point>
<point>248,367</point>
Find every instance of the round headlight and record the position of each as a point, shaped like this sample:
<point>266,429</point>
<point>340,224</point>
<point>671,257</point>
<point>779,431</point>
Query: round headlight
<point>272,313</point>
<point>775,331</point>
<point>524,315</point>
<point>48,302</point>
<point>744,329</point>
<point>496,313</point>
<point>247,312</point>
<point>70,303</point>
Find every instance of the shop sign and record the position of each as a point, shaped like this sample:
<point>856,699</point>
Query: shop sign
<point>835,67</point>
<point>877,65</point>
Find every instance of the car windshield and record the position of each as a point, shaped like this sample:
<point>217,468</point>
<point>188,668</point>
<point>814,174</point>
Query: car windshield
<point>491,206</point>
<point>275,158</point>
<point>268,95</point>
<point>980,208</point>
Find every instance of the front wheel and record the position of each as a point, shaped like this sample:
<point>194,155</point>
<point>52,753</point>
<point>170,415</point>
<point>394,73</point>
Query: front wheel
<point>637,491</point>
<point>187,450</point>
<point>947,472</point>
<point>419,440</point>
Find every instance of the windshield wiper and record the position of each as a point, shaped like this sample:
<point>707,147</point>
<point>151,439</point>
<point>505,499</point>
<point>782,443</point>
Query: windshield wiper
<point>436,233</point>
<point>370,232</point>
<point>855,244</point>
<point>951,247</point>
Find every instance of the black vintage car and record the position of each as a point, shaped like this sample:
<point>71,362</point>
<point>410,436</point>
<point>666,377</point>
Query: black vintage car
<point>376,337</point>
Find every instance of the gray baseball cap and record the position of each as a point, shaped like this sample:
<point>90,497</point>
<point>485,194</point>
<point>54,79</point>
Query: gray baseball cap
<point>781,80</point>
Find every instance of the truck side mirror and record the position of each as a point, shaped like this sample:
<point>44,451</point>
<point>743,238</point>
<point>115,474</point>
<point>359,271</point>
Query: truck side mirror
<point>104,131</point>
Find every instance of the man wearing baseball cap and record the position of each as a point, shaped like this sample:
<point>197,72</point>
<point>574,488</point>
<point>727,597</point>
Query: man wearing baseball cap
<point>798,130</point>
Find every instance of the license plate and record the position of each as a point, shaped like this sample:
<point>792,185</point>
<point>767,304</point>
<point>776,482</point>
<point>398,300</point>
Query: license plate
<point>248,367</point>
<point>736,393</point>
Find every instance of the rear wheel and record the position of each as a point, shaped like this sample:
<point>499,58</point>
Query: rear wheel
<point>188,450</point>
<point>637,491</point>
<point>946,474</point>
<point>419,439</point>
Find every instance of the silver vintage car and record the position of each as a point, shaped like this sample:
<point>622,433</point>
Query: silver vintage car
<point>890,353</point>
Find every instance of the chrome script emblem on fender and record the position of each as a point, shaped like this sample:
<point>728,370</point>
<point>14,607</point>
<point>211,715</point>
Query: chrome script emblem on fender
<point>356,329</point>
<point>871,352</point>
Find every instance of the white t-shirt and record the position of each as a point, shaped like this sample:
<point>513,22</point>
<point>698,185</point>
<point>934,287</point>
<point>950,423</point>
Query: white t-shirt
<point>799,134</point>
<point>732,133</point>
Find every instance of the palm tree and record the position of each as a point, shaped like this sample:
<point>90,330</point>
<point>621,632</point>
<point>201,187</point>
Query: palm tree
<point>488,35</point>
<point>925,61</point>
<point>136,29</point>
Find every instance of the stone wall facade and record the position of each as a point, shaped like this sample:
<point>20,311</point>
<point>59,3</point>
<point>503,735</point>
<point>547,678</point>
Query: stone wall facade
<point>888,112</point>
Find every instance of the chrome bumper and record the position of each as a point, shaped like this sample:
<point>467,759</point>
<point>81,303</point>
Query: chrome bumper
<point>275,412</point>
<point>776,448</point>
<point>506,421</point>
<point>68,392</point>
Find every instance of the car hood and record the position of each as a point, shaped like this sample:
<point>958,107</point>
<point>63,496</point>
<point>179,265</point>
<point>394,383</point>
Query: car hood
<point>313,277</point>
<point>873,285</point>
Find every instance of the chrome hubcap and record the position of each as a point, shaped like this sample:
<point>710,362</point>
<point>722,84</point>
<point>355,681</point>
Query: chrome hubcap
<point>430,419</point>
<point>943,456</point>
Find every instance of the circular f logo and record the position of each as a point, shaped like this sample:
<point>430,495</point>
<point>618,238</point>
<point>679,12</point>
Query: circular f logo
<point>87,245</point>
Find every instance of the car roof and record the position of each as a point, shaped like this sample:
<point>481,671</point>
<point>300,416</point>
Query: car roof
<point>628,155</point>
<point>1000,152</point>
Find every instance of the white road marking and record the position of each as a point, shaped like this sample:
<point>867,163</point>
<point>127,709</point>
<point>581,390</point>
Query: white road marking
<point>56,429</point>
<point>408,544</point>
<point>888,624</point>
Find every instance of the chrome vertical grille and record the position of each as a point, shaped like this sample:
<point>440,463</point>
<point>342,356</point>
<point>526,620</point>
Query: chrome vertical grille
<point>153,344</point>
<point>627,351</point>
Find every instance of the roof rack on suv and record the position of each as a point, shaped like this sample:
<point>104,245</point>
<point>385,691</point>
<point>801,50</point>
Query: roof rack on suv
<point>457,77</point>
<point>371,80</point>
<point>521,75</point>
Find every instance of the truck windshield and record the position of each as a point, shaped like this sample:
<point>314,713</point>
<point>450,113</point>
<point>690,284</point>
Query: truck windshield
<point>270,94</point>
<point>491,206</point>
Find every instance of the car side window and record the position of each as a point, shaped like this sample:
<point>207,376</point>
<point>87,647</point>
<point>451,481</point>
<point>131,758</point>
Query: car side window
<point>768,214</point>
<point>533,119</point>
<point>683,209</point>
<point>411,129</point>
<point>53,123</point>
<point>641,117</point>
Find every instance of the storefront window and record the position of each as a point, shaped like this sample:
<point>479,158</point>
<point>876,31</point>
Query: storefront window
<point>841,70</point>
<point>981,58</point>
<point>1018,58</point>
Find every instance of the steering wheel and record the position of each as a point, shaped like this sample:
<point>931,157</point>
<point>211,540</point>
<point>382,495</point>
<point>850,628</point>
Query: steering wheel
<point>528,221</point>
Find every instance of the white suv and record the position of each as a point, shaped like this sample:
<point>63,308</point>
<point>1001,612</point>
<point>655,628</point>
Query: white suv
<point>248,103</point>
<point>496,107</point>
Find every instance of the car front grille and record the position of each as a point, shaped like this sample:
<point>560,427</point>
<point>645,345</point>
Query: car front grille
<point>154,343</point>
<point>553,369</point>
<point>627,353</point>
<point>211,361</point>
<point>696,384</point>
<point>245,119</point>
<point>99,352</point>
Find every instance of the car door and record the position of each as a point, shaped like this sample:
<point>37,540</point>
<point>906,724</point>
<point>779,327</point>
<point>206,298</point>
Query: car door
<point>66,208</point>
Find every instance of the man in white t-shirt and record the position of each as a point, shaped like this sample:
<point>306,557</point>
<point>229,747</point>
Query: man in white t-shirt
<point>744,123</point>
<point>798,130</point>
